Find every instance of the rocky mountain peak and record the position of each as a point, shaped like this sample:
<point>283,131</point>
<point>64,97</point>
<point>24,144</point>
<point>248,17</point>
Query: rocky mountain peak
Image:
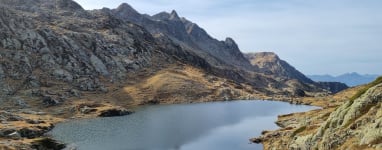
<point>68,5</point>
<point>174,15</point>
<point>126,12</point>
<point>126,8</point>
<point>230,42</point>
<point>270,64</point>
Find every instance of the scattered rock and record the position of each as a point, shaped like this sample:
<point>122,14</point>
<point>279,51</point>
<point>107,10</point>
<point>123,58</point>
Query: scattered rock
<point>20,102</point>
<point>33,112</point>
<point>14,135</point>
<point>31,121</point>
<point>87,110</point>
<point>50,101</point>
<point>7,116</point>
<point>31,133</point>
<point>6,132</point>
<point>75,93</point>
<point>257,140</point>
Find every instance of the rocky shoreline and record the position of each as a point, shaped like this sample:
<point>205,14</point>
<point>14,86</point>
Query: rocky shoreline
<point>23,133</point>
<point>27,129</point>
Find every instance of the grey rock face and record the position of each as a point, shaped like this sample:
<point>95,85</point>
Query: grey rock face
<point>44,42</point>
<point>189,36</point>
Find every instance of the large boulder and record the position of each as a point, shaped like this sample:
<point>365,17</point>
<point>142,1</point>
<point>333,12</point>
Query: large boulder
<point>115,112</point>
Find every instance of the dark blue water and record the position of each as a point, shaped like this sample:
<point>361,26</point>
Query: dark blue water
<point>204,126</point>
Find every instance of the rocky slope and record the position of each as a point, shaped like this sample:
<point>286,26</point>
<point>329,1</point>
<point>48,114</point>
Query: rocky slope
<point>269,64</point>
<point>187,34</point>
<point>354,124</point>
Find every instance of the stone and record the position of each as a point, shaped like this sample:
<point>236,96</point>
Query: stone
<point>256,140</point>
<point>50,101</point>
<point>63,75</point>
<point>75,93</point>
<point>30,133</point>
<point>87,110</point>
<point>47,143</point>
<point>14,135</point>
<point>114,112</point>
<point>299,93</point>
<point>20,102</point>
<point>99,65</point>
<point>31,121</point>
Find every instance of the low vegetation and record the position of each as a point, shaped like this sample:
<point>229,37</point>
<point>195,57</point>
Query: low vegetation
<point>367,87</point>
<point>299,130</point>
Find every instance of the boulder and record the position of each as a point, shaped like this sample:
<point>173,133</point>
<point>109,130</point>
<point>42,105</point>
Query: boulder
<point>256,140</point>
<point>87,110</point>
<point>47,143</point>
<point>299,93</point>
<point>114,112</point>
<point>50,101</point>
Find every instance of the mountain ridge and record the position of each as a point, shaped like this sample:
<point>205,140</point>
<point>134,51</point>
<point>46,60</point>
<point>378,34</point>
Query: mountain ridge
<point>351,79</point>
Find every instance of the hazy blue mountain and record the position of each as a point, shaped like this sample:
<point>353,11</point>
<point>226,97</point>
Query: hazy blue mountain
<point>350,79</point>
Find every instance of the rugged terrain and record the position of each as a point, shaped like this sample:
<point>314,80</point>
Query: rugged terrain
<point>349,120</point>
<point>59,61</point>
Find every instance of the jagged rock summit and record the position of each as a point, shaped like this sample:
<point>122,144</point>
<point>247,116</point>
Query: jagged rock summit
<point>189,36</point>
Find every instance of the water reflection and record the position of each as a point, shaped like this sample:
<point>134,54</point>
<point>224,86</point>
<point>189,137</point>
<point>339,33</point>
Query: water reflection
<point>221,125</point>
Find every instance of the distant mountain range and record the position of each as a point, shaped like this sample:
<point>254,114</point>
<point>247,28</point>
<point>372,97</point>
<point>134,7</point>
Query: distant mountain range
<point>350,79</point>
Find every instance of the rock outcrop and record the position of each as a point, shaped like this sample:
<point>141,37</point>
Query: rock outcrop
<point>115,112</point>
<point>353,124</point>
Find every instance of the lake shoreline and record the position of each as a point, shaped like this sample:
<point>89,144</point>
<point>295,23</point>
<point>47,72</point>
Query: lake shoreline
<point>229,104</point>
<point>51,120</point>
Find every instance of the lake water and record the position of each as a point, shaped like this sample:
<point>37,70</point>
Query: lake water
<point>203,126</point>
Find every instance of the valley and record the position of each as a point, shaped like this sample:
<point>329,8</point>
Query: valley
<point>60,62</point>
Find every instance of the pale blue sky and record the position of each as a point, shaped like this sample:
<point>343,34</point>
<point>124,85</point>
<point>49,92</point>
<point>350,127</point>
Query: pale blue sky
<point>315,36</point>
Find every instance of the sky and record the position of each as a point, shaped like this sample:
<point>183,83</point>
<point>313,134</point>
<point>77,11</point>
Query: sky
<point>315,36</point>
